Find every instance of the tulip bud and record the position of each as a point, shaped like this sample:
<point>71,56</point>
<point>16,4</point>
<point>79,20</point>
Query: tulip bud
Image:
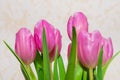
<point>25,46</point>
<point>53,37</point>
<point>88,48</point>
<point>50,36</point>
<point>79,21</point>
<point>107,49</point>
<point>58,43</point>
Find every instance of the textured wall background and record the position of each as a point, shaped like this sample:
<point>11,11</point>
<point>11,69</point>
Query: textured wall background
<point>103,15</point>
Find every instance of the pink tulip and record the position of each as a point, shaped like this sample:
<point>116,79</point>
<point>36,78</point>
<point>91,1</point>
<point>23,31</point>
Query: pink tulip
<point>88,48</point>
<point>25,46</point>
<point>107,49</point>
<point>79,21</point>
<point>49,34</point>
<point>58,43</point>
<point>69,48</point>
<point>53,37</point>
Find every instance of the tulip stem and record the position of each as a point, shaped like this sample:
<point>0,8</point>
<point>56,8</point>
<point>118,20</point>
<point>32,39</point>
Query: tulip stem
<point>51,71</point>
<point>30,72</point>
<point>91,74</point>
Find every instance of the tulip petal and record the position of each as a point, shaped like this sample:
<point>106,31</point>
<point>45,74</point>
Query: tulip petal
<point>88,48</point>
<point>25,45</point>
<point>53,37</point>
<point>50,36</point>
<point>79,21</point>
<point>108,49</point>
<point>69,48</point>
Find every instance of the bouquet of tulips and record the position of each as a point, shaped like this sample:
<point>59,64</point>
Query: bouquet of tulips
<point>89,53</point>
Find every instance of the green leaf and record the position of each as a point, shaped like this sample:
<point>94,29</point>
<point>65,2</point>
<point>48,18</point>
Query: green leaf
<point>99,67</point>
<point>46,62</point>
<point>72,59</point>
<point>31,73</point>
<point>78,72</point>
<point>108,63</point>
<point>38,63</point>
<point>84,75</point>
<point>55,66</point>
<point>28,74</point>
<point>61,68</point>
<point>23,71</point>
<point>22,64</point>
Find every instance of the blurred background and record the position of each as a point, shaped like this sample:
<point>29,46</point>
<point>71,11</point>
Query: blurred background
<point>103,15</point>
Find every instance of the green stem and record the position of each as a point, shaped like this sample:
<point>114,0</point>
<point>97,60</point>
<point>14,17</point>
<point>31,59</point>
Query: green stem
<point>30,72</point>
<point>51,71</point>
<point>91,74</point>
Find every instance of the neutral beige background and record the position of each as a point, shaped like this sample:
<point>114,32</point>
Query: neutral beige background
<point>103,15</point>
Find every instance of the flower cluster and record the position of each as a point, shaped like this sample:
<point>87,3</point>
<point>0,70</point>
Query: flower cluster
<point>89,44</point>
<point>26,44</point>
<point>89,53</point>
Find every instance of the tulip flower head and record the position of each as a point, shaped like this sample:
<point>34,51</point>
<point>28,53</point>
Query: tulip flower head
<point>50,36</point>
<point>58,44</point>
<point>88,48</point>
<point>25,46</point>
<point>53,37</point>
<point>79,21</point>
<point>107,49</point>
